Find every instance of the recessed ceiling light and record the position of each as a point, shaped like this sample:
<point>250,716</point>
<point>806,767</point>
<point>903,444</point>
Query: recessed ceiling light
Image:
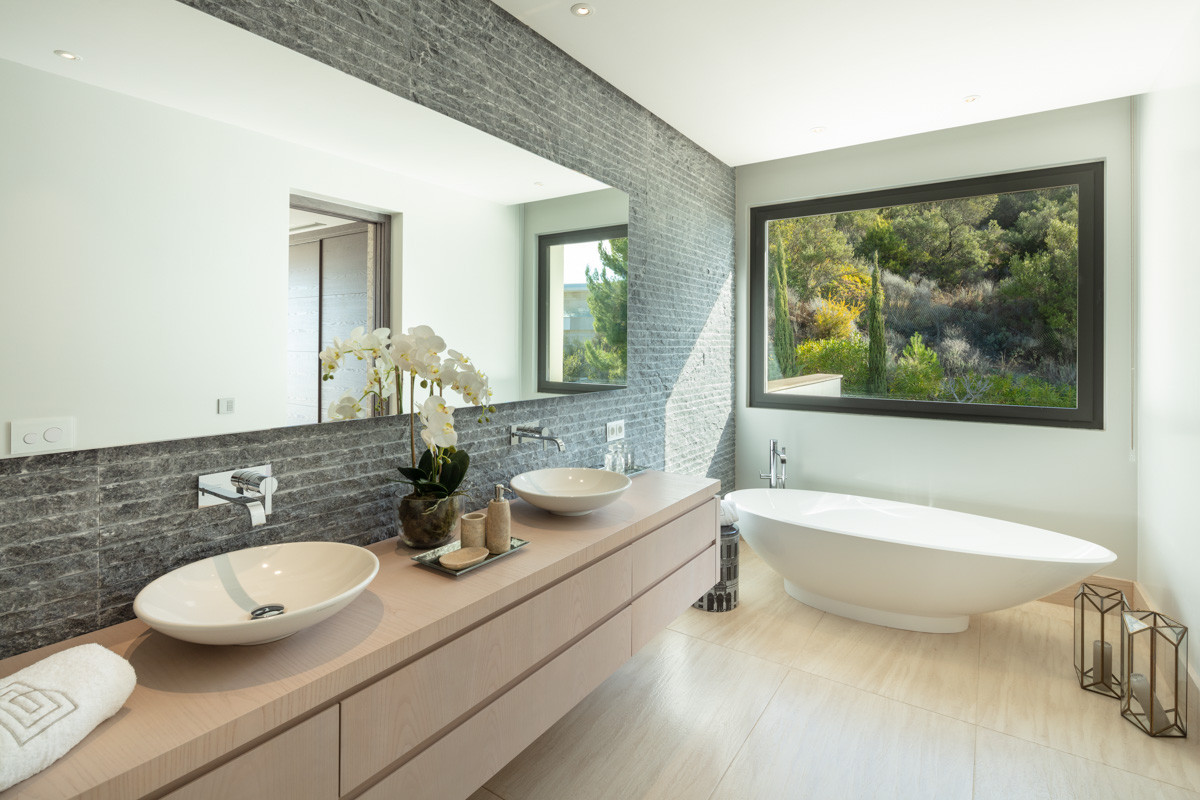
<point>971,98</point>
<point>581,9</point>
<point>68,55</point>
<point>819,129</point>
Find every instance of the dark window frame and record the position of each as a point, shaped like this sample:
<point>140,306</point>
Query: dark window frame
<point>1090,377</point>
<point>544,242</point>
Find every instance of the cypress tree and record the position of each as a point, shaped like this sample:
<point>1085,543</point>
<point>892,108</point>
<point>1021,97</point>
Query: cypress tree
<point>608,300</point>
<point>783,342</point>
<point>876,337</point>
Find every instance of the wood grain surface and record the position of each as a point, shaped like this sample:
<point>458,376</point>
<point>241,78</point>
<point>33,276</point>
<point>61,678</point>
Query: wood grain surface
<point>196,706</point>
<point>470,754</point>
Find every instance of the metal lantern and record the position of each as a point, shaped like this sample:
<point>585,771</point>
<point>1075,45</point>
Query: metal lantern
<point>1155,673</point>
<point>1098,654</point>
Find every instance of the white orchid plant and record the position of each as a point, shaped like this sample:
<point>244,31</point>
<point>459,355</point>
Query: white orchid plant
<point>416,355</point>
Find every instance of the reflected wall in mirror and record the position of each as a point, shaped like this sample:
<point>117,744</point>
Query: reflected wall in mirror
<point>145,275</point>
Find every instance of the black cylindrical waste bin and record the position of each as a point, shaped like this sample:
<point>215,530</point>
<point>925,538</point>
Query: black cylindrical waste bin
<point>724,596</point>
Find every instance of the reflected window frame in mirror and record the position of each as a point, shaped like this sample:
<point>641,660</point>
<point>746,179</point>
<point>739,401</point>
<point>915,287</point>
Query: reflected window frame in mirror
<point>545,293</point>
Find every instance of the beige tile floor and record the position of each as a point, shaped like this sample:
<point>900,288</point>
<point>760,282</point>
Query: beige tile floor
<point>778,700</point>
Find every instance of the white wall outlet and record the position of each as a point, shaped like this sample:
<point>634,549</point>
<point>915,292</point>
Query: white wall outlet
<point>614,430</point>
<point>224,405</point>
<point>47,435</point>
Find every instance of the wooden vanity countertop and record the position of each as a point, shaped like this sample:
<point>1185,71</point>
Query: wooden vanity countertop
<point>197,706</point>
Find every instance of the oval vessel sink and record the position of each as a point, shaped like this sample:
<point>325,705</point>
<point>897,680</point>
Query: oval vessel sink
<point>569,491</point>
<point>256,595</point>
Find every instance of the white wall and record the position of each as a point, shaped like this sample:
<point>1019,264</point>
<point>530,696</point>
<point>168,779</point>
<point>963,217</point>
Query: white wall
<point>1077,482</point>
<point>144,263</point>
<point>1167,207</point>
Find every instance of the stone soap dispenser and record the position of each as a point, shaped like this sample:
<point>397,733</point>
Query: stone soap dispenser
<point>499,523</point>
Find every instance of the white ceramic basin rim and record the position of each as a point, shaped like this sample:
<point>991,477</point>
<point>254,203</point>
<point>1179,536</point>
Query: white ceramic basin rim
<point>232,598</point>
<point>570,491</point>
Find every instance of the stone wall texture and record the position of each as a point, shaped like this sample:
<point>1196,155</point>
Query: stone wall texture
<point>82,532</point>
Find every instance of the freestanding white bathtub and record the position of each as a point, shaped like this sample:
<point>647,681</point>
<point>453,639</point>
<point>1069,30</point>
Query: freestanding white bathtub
<point>902,565</point>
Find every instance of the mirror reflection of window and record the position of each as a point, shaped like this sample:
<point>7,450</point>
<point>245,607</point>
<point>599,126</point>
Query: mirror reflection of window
<point>334,268</point>
<point>584,309</point>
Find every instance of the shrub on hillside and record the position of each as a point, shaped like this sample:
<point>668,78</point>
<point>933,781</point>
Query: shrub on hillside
<point>833,319</point>
<point>845,357</point>
<point>1027,390</point>
<point>918,374</point>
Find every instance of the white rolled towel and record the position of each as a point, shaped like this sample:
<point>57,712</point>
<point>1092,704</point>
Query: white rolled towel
<point>48,707</point>
<point>729,513</point>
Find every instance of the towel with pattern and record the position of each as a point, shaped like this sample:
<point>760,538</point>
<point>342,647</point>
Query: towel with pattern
<point>48,707</point>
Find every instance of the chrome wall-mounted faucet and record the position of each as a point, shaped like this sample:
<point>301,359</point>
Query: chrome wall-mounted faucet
<point>519,433</point>
<point>777,477</point>
<point>251,488</point>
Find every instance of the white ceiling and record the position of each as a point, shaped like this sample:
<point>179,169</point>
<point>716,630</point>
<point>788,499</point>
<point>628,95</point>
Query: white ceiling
<point>168,53</point>
<point>748,80</point>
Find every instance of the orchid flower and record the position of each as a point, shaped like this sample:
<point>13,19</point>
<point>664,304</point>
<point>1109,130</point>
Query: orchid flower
<point>417,354</point>
<point>438,418</point>
<point>347,407</point>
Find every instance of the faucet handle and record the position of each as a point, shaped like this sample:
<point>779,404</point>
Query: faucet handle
<point>255,481</point>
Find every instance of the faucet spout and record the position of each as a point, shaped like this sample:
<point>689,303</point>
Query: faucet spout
<point>258,514</point>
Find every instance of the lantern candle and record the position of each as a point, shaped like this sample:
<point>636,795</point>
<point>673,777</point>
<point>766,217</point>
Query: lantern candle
<point>1102,661</point>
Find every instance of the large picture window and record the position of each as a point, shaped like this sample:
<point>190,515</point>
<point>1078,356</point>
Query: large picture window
<point>976,299</point>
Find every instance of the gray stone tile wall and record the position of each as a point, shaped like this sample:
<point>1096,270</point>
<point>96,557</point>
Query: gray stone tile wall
<point>81,532</point>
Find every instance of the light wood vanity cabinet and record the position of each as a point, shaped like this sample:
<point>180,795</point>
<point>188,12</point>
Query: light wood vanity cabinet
<point>458,764</point>
<point>666,600</point>
<point>640,589</point>
<point>424,687</point>
<point>389,718</point>
<point>659,552</point>
<point>299,764</point>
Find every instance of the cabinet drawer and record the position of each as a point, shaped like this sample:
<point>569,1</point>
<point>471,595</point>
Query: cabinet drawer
<point>458,764</point>
<point>654,610</point>
<point>660,552</point>
<point>298,764</point>
<point>390,717</point>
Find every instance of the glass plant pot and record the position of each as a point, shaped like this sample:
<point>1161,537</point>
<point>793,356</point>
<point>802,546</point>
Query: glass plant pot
<point>426,522</point>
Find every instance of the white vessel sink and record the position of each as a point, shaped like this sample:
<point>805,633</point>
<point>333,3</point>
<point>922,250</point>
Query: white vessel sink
<point>569,491</point>
<point>256,595</point>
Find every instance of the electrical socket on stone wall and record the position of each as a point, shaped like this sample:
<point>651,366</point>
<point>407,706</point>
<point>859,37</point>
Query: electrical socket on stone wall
<point>615,430</point>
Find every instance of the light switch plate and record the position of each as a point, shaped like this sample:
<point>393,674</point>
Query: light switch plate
<point>47,435</point>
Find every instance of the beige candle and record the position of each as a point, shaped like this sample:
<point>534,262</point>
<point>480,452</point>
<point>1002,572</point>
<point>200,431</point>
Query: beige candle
<point>1140,688</point>
<point>1102,663</point>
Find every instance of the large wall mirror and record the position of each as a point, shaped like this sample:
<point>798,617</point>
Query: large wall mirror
<point>146,224</point>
